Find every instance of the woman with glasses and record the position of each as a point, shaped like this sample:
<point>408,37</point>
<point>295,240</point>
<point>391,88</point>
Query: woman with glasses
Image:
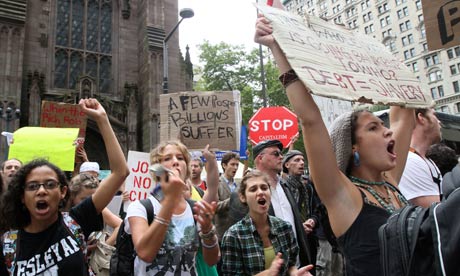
<point>259,244</point>
<point>356,168</point>
<point>168,246</point>
<point>48,242</point>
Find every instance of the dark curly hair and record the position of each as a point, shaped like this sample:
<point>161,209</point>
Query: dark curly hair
<point>13,213</point>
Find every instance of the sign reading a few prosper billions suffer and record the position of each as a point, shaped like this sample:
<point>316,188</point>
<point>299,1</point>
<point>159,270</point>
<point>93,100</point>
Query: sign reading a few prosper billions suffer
<point>337,63</point>
<point>201,118</point>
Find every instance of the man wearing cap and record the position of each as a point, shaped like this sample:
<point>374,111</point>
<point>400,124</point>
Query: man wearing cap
<point>269,159</point>
<point>91,168</point>
<point>329,262</point>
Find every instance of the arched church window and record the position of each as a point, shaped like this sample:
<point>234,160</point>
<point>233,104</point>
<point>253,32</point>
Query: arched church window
<point>83,43</point>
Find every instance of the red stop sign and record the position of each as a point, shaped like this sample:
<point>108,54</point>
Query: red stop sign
<point>273,123</point>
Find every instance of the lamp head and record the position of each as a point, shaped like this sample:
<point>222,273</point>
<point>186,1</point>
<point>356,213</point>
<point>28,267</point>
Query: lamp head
<point>186,13</point>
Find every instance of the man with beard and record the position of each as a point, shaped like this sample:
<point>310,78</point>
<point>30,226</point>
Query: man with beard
<point>9,169</point>
<point>420,182</point>
<point>227,186</point>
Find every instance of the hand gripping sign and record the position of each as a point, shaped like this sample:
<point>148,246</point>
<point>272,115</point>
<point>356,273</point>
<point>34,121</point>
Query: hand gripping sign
<point>273,123</point>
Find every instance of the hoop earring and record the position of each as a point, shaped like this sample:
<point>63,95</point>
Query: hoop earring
<point>356,161</point>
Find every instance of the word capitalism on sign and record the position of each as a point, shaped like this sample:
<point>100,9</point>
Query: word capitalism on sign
<point>338,63</point>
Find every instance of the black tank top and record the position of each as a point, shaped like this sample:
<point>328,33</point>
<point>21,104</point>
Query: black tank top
<point>360,243</point>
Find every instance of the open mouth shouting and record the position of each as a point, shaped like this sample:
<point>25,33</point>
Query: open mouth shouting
<point>391,148</point>
<point>41,207</point>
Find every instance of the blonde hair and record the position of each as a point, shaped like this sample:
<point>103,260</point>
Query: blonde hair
<point>157,153</point>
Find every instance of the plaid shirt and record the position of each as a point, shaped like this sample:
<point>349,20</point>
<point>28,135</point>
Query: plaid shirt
<point>243,252</point>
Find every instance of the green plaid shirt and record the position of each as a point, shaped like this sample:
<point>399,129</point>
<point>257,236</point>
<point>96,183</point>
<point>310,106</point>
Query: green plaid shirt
<point>243,252</point>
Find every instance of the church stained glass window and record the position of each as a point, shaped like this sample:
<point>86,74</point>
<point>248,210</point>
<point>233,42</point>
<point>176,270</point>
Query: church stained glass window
<point>83,43</point>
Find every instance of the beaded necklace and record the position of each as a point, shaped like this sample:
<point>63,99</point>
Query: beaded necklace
<point>385,202</point>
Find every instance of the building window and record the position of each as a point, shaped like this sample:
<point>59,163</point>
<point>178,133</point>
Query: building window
<point>458,107</point>
<point>399,2</point>
<point>422,32</point>
<point>369,29</point>
<point>441,91</point>
<point>367,16</point>
<point>385,21</point>
<point>405,26</point>
<point>456,88</point>
<point>457,51</point>
<point>453,70</point>
<point>386,33</point>
<point>425,47</point>
<point>420,17</point>
<point>352,24</point>
<point>365,4</point>
<point>450,54</point>
<point>434,93</point>
<point>415,67</point>
<point>432,60</point>
<point>418,4</point>
<point>435,76</point>
<point>444,109</point>
<point>409,53</point>
<point>406,40</point>
<point>391,45</point>
<point>383,8</point>
<point>83,43</point>
<point>403,12</point>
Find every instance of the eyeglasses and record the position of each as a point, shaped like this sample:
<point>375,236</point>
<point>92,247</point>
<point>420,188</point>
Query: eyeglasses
<point>276,153</point>
<point>35,186</point>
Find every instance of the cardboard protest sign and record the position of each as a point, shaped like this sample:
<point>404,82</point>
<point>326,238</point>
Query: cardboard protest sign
<point>55,114</point>
<point>201,118</point>
<point>337,63</point>
<point>442,23</point>
<point>139,182</point>
<point>54,144</point>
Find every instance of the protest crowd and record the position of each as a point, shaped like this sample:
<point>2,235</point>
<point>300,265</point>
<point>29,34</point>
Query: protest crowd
<point>329,211</point>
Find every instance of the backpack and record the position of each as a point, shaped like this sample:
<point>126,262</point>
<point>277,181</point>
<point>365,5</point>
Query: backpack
<point>10,239</point>
<point>398,239</point>
<point>122,261</point>
<point>417,241</point>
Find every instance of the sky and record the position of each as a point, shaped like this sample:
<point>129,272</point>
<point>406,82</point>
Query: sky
<point>230,21</point>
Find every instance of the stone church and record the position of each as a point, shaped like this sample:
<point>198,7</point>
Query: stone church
<point>65,50</point>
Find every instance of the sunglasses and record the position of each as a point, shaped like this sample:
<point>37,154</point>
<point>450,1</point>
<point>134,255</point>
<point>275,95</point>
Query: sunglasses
<point>276,153</point>
<point>35,186</point>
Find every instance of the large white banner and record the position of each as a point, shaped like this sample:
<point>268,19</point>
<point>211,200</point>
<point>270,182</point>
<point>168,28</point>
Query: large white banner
<point>337,63</point>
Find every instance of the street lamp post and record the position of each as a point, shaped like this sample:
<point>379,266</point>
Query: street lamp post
<point>8,115</point>
<point>184,13</point>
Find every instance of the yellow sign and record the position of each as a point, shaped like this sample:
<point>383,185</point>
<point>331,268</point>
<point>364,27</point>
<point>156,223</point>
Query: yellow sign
<point>57,145</point>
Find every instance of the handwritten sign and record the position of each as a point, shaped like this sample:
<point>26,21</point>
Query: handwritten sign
<point>442,23</point>
<point>201,118</point>
<point>55,114</point>
<point>139,182</point>
<point>54,144</point>
<point>337,63</point>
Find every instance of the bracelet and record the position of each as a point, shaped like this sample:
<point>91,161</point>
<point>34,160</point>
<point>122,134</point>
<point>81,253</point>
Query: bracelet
<point>209,235</point>
<point>161,221</point>
<point>287,78</point>
<point>210,246</point>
